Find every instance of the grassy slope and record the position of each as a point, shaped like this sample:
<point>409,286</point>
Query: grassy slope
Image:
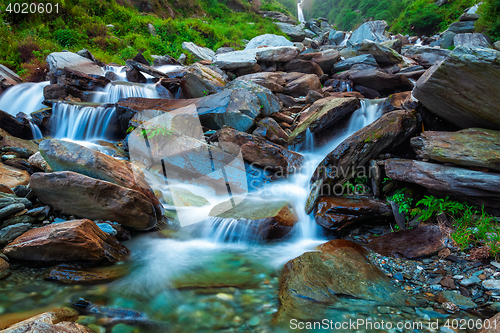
<point>27,39</point>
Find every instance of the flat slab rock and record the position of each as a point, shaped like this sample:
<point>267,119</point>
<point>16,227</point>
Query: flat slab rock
<point>77,240</point>
<point>414,243</point>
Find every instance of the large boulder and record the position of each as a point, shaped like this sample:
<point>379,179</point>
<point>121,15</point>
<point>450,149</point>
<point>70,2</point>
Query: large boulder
<point>301,86</point>
<point>235,59</point>
<point>336,213</point>
<point>462,27</point>
<point>372,30</point>
<point>269,103</point>
<point>273,81</point>
<point>295,33</point>
<point>303,66</point>
<point>268,40</point>
<point>366,59</point>
<point>61,60</point>
<point>471,39</point>
<point>77,240</point>
<point>259,151</point>
<point>335,274</point>
<point>472,147</point>
<point>356,151</point>
<point>200,81</point>
<point>260,219</point>
<point>322,114</point>
<point>69,156</point>
<point>381,81</point>
<point>199,52</point>
<point>86,197</point>
<point>446,88</point>
<point>383,55</point>
<point>276,54</point>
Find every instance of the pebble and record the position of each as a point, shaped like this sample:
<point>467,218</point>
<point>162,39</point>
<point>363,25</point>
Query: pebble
<point>470,281</point>
<point>384,309</point>
<point>495,264</point>
<point>458,277</point>
<point>491,284</point>
<point>254,321</point>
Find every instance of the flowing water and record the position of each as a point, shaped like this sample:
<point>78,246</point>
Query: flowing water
<point>24,97</point>
<point>117,90</point>
<point>300,13</point>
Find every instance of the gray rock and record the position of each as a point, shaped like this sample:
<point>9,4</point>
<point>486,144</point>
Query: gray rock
<point>445,93</point>
<point>182,59</point>
<point>7,201</point>
<point>313,25</point>
<point>152,29</point>
<point>446,39</point>
<point>336,37</point>
<point>11,232</point>
<point>372,30</point>
<point>382,54</point>
<point>269,103</point>
<point>8,78</point>
<point>199,52</point>
<point>276,54</point>
<point>278,17</point>
<point>11,209</point>
<point>61,60</point>
<point>491,284</point>
<point>268,40</point>
<point>496,45</point>
<point>472,39</point>
<point>224,49</point>
<point>366,59</point>
<point>295,33</point>
<point>236,59</point>
<point>462,302</point>
<point>468,17</point>
<point>470,281</point>
<point>462,27</point>
<point>309,33</point>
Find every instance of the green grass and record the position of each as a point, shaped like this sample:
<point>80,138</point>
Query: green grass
<point>29,38</point>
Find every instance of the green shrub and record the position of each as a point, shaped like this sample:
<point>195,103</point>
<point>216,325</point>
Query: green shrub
<point>66,37</point>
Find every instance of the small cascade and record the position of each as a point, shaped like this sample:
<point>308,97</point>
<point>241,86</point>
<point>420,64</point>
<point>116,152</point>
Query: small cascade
<point>222,230</point>
<point>346,38</point>
<point>24,97</point>
<point>117,90</point>
<point>35,130</point>
<point>418,42</point>
<point>81,122</point>
<point>300,13</point>
<point>118,71</point>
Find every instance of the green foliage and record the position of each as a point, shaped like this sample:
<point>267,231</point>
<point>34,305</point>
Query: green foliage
<point>66,37</point>
<point>434,206</point>
<point>399,197</point>
<point>489,21</point>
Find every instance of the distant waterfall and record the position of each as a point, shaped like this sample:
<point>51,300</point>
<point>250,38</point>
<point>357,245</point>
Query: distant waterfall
<point>300,13</point>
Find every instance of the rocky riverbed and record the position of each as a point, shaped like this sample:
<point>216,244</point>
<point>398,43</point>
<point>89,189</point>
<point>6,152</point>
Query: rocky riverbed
<point>257,190</point>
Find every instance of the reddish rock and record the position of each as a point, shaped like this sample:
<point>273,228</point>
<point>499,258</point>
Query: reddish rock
<point>302,85</point>
<point>411,244</point>
<point>448,283</point>
<point>23,148</point>
<point>381,81</point>
<point>12,177</point>
<point>77,240</point>
<point>303,66</point>
<point>269,129</point>
<point>493,323</point>
<point>272,81</point>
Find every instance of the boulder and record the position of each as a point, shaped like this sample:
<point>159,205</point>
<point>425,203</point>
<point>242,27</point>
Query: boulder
<point>83,196</point>
<point>268,40</point>
<point>326,59</point>
<point>335,274</point>
<point>37,162</point>
<point>336,37</point>
<point>472,147</point>
<point>22,148</point>
<point>201,81</point>
<point>462,27</point>
<point>447,39</point>
<point>276,54</point>
<point>295,33</point>
<point>77,240</point>
<point>336,213</point>
<point>270,130</point>
<point>62,60</point>
<point>471,39</point>
<point>444,92</point>
<point>381,81</point>
<point>372,30</point>
<point>236,59</point>
<point>411,244</point>
<point>69,156</point>
<point>322,114</point>
<point>384,55</point>
<point>12,177</point>
<point>259,151</point>
<point>346,64</point>
<point>303,66</point>
<point>302,85</point>
<point>145,68</point>
<point>264,220</point>
<point>273,81</point>
<point>80,80</point>
<point>356,151</point>
<point>469,17</point>
<point>278,16</point>
<point>14,127</point>
<point>199,52</point>
<point>395,44</point>
<point>445,179</point>
<point>426,55</point>
<point>269,103</point>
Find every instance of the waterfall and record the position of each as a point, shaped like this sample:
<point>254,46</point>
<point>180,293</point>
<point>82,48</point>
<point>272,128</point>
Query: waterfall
<point>81,122</point>
<point>346,38</point>
<point>117,90</point>
<point>24,97</point>
<point>35,130</point>
<point>300,13</point>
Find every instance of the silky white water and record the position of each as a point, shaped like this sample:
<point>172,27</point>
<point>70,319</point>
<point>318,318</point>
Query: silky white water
<point>117,90</point>
<point>24,97</point>
<point>300,13</point>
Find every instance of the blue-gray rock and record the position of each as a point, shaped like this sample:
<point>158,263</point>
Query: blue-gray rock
<point>11,209</point>
<point>236,59</point>
<point>107,229</point>
<point>269,103</point>
<point>372,30</point>
<point>446,39</point>
<point>382,54</point>
<point>336,37</point>
<point>462,302</point>
<point>366,59</point>
<point>268,40</point>
<point>462,27</point>
<point>309,33</point>
<point>11,232</point>
<point>295,33</point>
<point>472,39</point>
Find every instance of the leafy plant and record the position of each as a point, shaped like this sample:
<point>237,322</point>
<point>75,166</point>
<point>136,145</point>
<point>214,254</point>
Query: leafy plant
<point>404,203</point>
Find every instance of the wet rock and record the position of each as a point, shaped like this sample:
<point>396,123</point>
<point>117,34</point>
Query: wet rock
<point>14,127</point>
<point>471,39</point>
<point>76,274</point>
<point>236,59</point>
<point>395,44</point>
<point>6,189</point>
<point>37,162</point>
<point>269,103</point>
<point>473,147</point>
<point>262,219</point>
<point>199,52</point>
<point>68,241</point>
<point>69,156</point>
<point>295,33</point>
<point>8,234</point>
<point>356,151</point>
<point>19,219</point>
<point>302,85</point>
<point>336,37</point>
<point>443,91</point>
<point>62,60</point>
<point>10,209</point>
<point>181,197</point>
<point>346,64</point>
<point>80,80</point>
<point>12,177</point>
<point>201,81</point>
<point>268,40</point>
<point>462,27</point>
<point>82,196</point>
<point>339,270</point>
<point>336,213</point>
<point>303,66</point>
<point>445,179</point>
<point>164,60</point>
<point>259,151</point>
<point>399,101</point>
<point>426,55</point>
<point>4,265</point>
<point>381,81</point>
<point>22,148</point>
<point>462,302</point>
<point>145,68</point>
<point>326,59</point>
<point>134,75</point>
<point>411,244</point>
<point>322,114</point>
<point>276,54</point>
<point>269,80</point>
<point>270,130</point>
<point>382,54</point>
<point>372,30</point>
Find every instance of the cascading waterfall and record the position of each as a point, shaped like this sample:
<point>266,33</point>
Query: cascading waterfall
<point>35,130</point>
<point>81,122</point>
<point>346,38</point>
<point>117,90</point>
<point>24,97</point>
<point>300,13</point>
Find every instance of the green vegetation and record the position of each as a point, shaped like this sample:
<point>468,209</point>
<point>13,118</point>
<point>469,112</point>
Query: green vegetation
<point>116,30</point>
<point>288,7</point>
<point>402,200</point>
<point>490,19</point>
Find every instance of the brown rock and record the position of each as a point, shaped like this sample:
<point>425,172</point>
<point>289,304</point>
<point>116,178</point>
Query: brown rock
<point>6,189</point>
<point>272,81</point>
<point>411,244</point>
<point>303,66</point>
<point>13,126</point>
<point>77,240</point>
<point>399,101</point>
<point>493,325</point>
<point>381,81</point>
<point>80,80</point>
<point>82,196</point>
<point>302,85</point>
<point>76,274</point>
<point>326,60</point>
<point>448,283</point>
<point>12,177</point>
<point>37,162</point>
<point>270,130</point>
